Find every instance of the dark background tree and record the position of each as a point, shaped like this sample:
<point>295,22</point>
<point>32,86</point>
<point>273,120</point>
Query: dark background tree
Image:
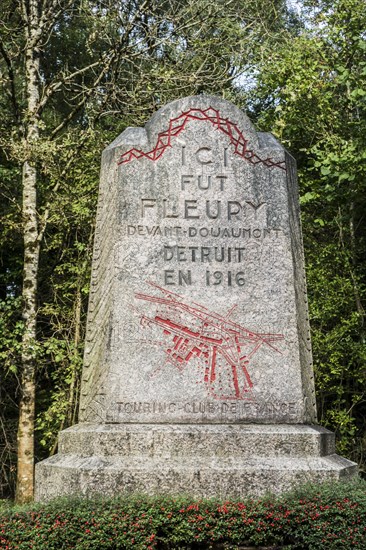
<point>75,74</point>
<point>311,91</point>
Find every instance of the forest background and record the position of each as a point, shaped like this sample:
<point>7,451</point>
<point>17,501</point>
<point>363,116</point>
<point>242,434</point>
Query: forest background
<point>74,74</point>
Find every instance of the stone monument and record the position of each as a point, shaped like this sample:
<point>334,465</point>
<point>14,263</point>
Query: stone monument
<point>197,376</point>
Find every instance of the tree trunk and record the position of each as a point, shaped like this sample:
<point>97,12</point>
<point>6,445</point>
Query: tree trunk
<point>25,471</point>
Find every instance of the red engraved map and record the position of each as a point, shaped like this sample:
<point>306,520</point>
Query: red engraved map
<point>222,347</point>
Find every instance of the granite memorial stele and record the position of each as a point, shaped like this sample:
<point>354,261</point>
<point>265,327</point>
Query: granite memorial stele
<point>198,375</point>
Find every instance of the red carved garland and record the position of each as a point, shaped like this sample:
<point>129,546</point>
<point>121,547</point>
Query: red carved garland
<point>177,125</point>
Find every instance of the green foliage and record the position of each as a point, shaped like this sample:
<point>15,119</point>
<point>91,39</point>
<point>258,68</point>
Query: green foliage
<point>65,273</point>
<point>311,93</point>
<point>323,517</point>
<point>308,87</point>
<point>11,327</point>
<point>103,66</point>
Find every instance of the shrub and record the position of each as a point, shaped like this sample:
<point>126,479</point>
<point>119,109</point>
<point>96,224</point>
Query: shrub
<point>321,517</point>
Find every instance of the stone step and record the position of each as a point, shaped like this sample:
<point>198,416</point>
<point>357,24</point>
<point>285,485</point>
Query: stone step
<point>199,477</point>
<point>214,441</point>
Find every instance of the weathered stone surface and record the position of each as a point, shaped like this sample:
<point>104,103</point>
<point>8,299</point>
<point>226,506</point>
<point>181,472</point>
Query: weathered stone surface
<point>198,307</point>
<point>203,461</point>
<point>198,346</point>
<point>188,440</point>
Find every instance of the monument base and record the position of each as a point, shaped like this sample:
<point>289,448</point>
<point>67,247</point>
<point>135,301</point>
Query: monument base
<point>223,461</point>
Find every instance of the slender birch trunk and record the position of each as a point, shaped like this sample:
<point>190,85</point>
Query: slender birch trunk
<point>25,471</point>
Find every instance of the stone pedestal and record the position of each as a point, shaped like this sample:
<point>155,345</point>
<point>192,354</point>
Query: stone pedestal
<point>198,372</point>
<point>223,461</point>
